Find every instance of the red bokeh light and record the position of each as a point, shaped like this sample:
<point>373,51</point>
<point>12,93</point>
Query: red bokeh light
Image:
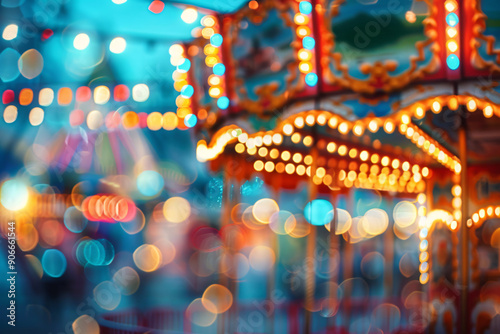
<point>121,93</point>
<point>46,34</point>
<point>156,6</point>
<point>83,94</point>
<point>8,96</point>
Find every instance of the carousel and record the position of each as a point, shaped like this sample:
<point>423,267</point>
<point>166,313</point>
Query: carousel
<point>384,113</point>
<point>350,183</point>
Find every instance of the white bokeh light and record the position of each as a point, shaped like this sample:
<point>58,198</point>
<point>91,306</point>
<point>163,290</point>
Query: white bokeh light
<point>117,45</point>
<point>81,41</point>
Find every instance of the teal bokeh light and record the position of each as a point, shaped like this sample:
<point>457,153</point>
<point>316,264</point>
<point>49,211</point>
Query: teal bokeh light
<point>150,183</point>
<point>318,212</point>
<point>54,263</point>
<point>14,195</point>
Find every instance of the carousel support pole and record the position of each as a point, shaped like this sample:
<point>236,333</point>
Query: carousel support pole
<point>310,280</point>
<point>334,246</point>
<point>225,219</point>
<point>464,240</point>
<point>271,283</point>
<point>233,283</point>
<point>389,256</point>
<point>271,280</point>
<point>348,265</point>
<point>310,250</point>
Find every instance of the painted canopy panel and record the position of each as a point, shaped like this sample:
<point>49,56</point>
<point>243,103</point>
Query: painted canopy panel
<point>483,20</point>
<point>263,56</point>
<point>378,45</point>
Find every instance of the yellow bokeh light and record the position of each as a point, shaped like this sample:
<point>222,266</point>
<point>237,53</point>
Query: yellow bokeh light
<point>456,190</point>
<point>176,50</point>
<point>342,150</point>
<point>170,120</point>
<point>127,280</point>
<point>304,54</point>
<point>176,209</point>
<point>300,19</point>
<point>450,5</point>
<point>147,257</point>
<point>277,138</point>
<point>262,258</point>
<point>373,126</point>
<point>10,32</point>
<point>210,50</point>
<point>375,221</point>
<point>331,147</point>
<point>303,31</point>
<point>46,97</point>
<point>85,325</point>
<point>211,61</point>
<point>389,126</point>
<point>488,111</point>
<point>101,95</point>
<point>182,102</point>
<point>305,67</point>
<point>258,165</point>
<point>405,214</point>
<point>269,166</point>
<point>285,155</point>
<point>198,314</point>
<point>36,116</point>
<point>471,105</point>
<point>436,107</point>
<point>452,45</point>
<point>94,120</point>
<point>288,129</point>
<point>207,32</point>
<point>214,80</point>
<point>217,299</point>
<point>155,121</point>
<point>239,148</point>
<point>208,21</point>
<point>333,122</point>
<point>343,128</point>
<point>214,92</point>
<point>263,209</point>
<point>10,114</point>
<point>27,236</point>
<point>358,130</point>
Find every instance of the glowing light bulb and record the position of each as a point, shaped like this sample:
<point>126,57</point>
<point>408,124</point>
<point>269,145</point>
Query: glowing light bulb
<point>436,107</point>
<point>189,15</point>
<point>452,46</point>
<point>117,45</point>
<point>389,127</point>
<point>81,41</point>
<point>373,126</point>
<point>451,32</point>
<point>488,111</point>
<point>300,19</point>
<point>14,195</point>
<point>471,105</point>
<point>304,54</point>
<point>450,5</point>
<point>10,32</point>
